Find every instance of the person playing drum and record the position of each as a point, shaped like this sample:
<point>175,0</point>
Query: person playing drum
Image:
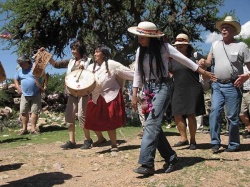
<point>106,109</point>
<point>75,104</point>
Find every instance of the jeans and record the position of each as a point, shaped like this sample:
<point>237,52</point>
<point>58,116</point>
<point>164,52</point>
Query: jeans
<point>230,96</point>
<point>153,135</point>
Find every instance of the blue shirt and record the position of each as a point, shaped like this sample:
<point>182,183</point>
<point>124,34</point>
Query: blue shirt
<point>27,80</point>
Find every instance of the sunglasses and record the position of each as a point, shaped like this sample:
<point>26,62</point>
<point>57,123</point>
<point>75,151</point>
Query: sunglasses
<point>21,62</point>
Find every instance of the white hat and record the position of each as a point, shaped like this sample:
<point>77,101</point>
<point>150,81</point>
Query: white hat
<point>182,39</point>
<point>147,29</point>
<point>229,20</point>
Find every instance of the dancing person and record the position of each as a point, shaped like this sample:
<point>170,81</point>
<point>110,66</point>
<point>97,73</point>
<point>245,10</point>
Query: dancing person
<point>75,104</point>
<point>151,71</point>
<point>30,87</point>
<point>106,109</point>
<point>229,56</point>
<point>188,92</point>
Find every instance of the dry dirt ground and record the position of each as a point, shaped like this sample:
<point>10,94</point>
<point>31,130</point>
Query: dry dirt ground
<point>47,165</point>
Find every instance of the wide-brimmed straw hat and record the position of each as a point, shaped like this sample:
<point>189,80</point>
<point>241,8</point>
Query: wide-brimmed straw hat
<point>182,39</point>
<point>147,29</point>
<point>229,20</point>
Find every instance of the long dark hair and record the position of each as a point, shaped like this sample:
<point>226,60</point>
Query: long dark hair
<point>154,51</point>
<point>80,47</point>
<point>190,51</point>
<point>106,52</point>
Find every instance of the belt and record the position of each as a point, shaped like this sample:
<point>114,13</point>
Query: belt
<point>225,81</point>
<point>245,91</point>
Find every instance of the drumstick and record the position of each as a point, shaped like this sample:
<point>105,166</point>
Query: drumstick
<point>79,76</point>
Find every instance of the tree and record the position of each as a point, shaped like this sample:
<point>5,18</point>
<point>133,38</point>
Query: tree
<point>55,84</point>
<point>245,40</point>
<point>55,23</point>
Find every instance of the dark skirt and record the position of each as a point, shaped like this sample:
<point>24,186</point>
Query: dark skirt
<point>105,116</point>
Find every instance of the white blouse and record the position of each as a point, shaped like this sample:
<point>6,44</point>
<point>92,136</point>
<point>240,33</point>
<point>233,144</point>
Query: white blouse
<point>167,51</point>
<point>107,85</point>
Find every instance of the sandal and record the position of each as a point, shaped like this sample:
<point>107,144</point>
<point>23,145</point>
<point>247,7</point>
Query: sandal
<point>35,132</point>
<point>23,132</point>
<point>99,142</point>
<point>114,149</point>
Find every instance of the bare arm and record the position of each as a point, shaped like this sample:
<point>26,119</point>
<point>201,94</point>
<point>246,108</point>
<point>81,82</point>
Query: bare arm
<point>18,87</point>
<point>243,77</point>
<point>206,62</point>
<point>134,98</point>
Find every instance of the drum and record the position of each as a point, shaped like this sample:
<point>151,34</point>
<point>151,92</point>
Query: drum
<point>80,82</point>
<point>42,59</point>
<point>2,73</point>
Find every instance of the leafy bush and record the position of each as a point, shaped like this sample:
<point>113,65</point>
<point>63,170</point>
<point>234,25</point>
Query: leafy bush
<point>4,98</point>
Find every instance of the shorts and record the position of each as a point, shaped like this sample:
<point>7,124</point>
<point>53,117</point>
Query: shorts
<point>245,103</point>
<point>76,105</point>
<point>30,104</point>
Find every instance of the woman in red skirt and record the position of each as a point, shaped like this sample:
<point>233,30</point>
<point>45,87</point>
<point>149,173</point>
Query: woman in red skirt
<point>106,109</point>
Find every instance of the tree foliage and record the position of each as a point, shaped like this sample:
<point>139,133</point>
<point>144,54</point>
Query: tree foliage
<point>55,23</point>
<point>56,84</point>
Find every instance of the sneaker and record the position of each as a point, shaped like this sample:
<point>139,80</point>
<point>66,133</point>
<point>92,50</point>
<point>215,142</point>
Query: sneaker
<point>87,144</point>
<point>68,145</point>
<point>169,167</point>
<point>246,134</point>
<point>192,146</point>
<point>231,150</point>
<point>181,143</point>
<point>114,149</point>
<point>99,142</point>
<point>145,170</point>
<point>215,148</point>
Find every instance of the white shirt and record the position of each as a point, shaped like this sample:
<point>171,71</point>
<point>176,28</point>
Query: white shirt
<point>107,85</point>
<point>166,52</point>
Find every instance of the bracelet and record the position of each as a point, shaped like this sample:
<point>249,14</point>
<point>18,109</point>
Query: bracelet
<point>204,71</point>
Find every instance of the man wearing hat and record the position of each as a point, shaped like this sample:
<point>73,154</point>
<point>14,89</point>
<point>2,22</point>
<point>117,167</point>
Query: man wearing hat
<point>30,88</point>
<point>229,56</point>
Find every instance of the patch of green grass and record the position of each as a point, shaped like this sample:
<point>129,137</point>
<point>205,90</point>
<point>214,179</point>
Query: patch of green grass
<point>9,138</point>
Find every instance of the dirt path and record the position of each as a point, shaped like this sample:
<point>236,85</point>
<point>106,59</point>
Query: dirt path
<point>48,165</point>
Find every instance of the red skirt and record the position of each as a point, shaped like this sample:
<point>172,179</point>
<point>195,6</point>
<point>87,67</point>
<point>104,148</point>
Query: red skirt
<point>105,116</point>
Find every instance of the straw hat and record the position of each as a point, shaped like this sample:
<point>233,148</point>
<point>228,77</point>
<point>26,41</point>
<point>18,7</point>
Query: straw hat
<point>229,20</point>
<point>182,39</point>
<point>147,29</point>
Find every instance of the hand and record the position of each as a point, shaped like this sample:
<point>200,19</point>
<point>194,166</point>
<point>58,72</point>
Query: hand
<point>19,90</point>
<point>134,103</point>
<point>241,79</point>
<point>81,66</point>
<point>41,49</point>
<point>202,62</point>
<point>209,75</point>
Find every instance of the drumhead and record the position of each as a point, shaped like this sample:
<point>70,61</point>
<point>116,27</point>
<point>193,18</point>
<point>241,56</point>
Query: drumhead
<point>80,82</point>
